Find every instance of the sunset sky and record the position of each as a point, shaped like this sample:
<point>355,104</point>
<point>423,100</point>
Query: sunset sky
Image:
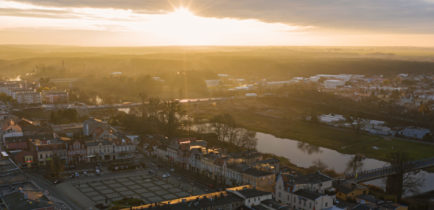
<point>218,22</point>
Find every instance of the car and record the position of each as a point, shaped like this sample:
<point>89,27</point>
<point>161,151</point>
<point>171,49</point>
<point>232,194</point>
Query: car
<point>166,175</point>
<point>172,169</point>
<point>77,174</point>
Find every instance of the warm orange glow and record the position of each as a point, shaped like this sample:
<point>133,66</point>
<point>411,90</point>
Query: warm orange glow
<point>35,24</point>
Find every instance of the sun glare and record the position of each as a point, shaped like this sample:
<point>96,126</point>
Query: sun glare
<point>182,12</point>
<point>127,27</point>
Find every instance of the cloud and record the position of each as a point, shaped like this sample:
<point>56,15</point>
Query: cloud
<point>407,16</point>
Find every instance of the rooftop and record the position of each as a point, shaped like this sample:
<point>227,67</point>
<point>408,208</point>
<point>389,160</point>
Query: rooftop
<point>308,194</point>
<point>250,193</point>
<point>311,178</point>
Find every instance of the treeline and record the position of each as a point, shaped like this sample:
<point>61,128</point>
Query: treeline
<point>158,117</point>
<point>6,99</point>
<point>64,116</point>
<point>226,130</point>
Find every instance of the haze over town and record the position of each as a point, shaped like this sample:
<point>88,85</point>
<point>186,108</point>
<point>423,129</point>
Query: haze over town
<point>201,104</point>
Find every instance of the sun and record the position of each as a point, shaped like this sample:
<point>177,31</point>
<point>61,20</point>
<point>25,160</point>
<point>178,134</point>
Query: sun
<point>182,12</point>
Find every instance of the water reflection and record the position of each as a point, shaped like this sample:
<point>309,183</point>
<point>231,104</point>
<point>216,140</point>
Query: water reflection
<point>298,154</point>
<point>308,148</point>
<point>355,164</point>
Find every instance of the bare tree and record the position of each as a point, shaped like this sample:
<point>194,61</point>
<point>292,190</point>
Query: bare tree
<point>403,181</point>
<point>247,139</point>
<point>355,164</point>
<point>170,116</point>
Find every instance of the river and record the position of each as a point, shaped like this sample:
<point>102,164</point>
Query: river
<point>305,155</point>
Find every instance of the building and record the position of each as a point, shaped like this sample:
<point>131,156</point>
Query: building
<point>261,180</point>
<point>243,197</point>
<point>101,150</point>
<point>76,152</point>
<point>54,97</point>
<point>124,148</point>
<point>69,130</point>
<point>24,158</point>
<point>46,150</point>
<point>98,129</point>
<point>253,197</point>
<point>11,129</point>
<point>16,143</point>
<point>346,190</point>
<point>305,191</point>
<point>415,133</point>
<point>306,200</point>
<point>27,97</point>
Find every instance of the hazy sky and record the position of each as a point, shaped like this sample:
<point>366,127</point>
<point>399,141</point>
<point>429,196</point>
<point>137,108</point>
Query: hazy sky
<point>218,22</point>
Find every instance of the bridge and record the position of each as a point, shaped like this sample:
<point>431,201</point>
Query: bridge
<point>117,106</point>
<point>368,175</point>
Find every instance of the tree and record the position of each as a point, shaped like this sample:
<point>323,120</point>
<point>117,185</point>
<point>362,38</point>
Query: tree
<point>170,117</point>
<point>143,96</point>
<point>56,166</point>
<point>247,139</point>
<point>356,122</point>
<point>224,127</point>
<point>6,99</point>
<point>402,182</point>
<point>318,165</point>
<point>355,164</point>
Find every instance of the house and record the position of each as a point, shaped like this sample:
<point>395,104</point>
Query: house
<point>414,132</point>
<point>307,199</point>
<point>270,204</point>
<point>346,190</point>
<point>253,197</point>
<point>11,129</point>
<point>308,191</point>
<point>45,150</point>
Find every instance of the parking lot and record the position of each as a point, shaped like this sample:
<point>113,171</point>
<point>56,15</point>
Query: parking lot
<point>149,188</point>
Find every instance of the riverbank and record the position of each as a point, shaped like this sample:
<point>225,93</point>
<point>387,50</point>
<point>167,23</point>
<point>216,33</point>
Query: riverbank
<point>262,118</point>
